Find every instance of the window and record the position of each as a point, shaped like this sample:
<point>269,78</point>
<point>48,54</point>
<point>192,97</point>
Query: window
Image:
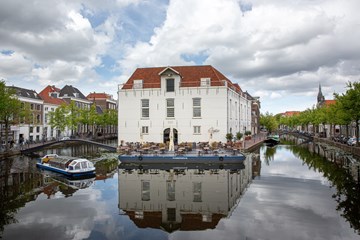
<point>46,108</point>
<point>138,84</point>
<point>54,94</point>
<point>170,85</point>
<point>38,107</point>
<point>196,107</point>
<point>31,129</point>
<point>205,82</point>
<point>145,190</point>
<point>144,108</point>
<point>170,190</point>
<point>197,192</point>
<point>197,130</point>
<point>170,108</point>
<point>38,118</point>
<point>32,106</point>
<point>37,129</point>
<point>145,130</point>
<point>46,118</point>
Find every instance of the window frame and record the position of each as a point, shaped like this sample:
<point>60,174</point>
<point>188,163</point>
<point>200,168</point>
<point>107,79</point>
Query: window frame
<point>144,108</point>
<point>197,130</point>
<point>170,87</point>
<point>169,107</point>
<point>196,107</point>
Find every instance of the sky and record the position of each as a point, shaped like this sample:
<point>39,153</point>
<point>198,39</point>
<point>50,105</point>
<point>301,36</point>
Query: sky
<point>278,50</point>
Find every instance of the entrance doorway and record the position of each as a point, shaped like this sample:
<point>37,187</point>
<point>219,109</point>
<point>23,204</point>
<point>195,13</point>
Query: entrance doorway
<point>167,135</point>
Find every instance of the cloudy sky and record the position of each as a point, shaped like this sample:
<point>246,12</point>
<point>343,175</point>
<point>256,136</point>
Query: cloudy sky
<point>276,49</point>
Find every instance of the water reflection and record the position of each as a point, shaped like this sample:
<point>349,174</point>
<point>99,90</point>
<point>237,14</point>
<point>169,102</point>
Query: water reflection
<point>348,189</point>
<point>181,198</point>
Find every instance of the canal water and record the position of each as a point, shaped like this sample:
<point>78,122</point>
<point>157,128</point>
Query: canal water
<point>284,192</point>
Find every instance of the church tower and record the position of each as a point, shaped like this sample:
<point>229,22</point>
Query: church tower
<point>320,97</point>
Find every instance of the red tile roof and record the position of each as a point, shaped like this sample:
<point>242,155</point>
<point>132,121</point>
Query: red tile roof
<point>329,102</point>
<point>190,76</point>
<point>291,113</point>
<point>94,95</point>
<point>45,95</point>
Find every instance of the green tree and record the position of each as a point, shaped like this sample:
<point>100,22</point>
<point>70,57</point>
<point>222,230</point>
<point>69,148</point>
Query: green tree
<point>269,122</point>
<point>58,119</point>
<point>73,116</point>
<point>350,103</point>
<point>10,108</point>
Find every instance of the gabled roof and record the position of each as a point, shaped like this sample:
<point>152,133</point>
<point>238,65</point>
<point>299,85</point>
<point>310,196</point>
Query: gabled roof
<point>45,95</point>
<point>190,76</point>
<point>26,93</point>
<point>71,92</point>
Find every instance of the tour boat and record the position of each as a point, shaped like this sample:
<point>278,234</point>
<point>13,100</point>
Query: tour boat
<point>69,166</point>
<point>272,140</point>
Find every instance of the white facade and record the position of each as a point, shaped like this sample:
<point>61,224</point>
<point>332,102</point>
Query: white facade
<point>196,110</point>
<point>49,132</point>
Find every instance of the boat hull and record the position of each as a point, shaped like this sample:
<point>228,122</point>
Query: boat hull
<point>65,172</point>
<point>181,159</point>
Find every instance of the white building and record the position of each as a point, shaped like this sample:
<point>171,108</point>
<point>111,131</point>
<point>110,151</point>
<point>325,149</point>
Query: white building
<point>50,95</point>
<point>191,100</point>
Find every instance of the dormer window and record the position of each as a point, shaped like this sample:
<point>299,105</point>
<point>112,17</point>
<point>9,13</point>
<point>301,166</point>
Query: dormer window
<point>170,85</point>
<point>138,84</point>
<point>54,94</point>
<point>205,82</point>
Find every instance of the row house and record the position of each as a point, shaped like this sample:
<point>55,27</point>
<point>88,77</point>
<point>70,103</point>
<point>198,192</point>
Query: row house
<point>104,102</point>
<point>50,95</point>
<point>198,102</point>
<point>70,94</point>
<point>31,126</point>
<point>35,126</point>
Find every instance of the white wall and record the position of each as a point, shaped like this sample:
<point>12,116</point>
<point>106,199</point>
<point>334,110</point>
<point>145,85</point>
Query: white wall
<point>215,112</point>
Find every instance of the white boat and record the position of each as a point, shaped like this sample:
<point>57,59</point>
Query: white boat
<point>69,166</point>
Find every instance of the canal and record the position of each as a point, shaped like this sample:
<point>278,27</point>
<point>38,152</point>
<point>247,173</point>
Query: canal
<point>284,192</point>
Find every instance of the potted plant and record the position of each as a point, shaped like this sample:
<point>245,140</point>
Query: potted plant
<point>239,135</point>
<point>247,135</point>
<point>229,137</point>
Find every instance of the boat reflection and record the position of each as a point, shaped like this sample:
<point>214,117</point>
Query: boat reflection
<point>181,198</point>
<point>54,183</point>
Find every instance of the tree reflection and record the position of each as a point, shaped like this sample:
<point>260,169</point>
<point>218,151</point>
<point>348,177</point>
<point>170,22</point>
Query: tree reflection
<point>269,154</point>
<point>348,190</point>
<point>16,189</point>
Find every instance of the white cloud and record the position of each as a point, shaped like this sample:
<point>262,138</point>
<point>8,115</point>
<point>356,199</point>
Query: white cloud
<point>274,48</point>
<point>14,64</point>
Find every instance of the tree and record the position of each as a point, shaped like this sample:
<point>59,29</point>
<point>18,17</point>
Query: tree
<point>269,122</point>
<point>350,103</point>
<point>10,107</point>
<point>73,116</point>
<point>58,118</point>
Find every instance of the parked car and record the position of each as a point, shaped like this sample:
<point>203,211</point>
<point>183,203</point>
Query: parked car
<point>65,138</point>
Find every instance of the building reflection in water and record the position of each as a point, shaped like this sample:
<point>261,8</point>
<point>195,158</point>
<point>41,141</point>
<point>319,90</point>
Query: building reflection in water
<point>181,199</point>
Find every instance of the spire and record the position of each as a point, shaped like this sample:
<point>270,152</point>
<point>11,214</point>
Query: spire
<point>320,96</point>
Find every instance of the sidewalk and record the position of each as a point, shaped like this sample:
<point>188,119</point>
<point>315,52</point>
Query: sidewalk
<point>253,142</point>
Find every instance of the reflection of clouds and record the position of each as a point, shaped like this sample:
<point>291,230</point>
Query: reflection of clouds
<point>63,218</point>
<point>288,201</point>
<point>285,164</point>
